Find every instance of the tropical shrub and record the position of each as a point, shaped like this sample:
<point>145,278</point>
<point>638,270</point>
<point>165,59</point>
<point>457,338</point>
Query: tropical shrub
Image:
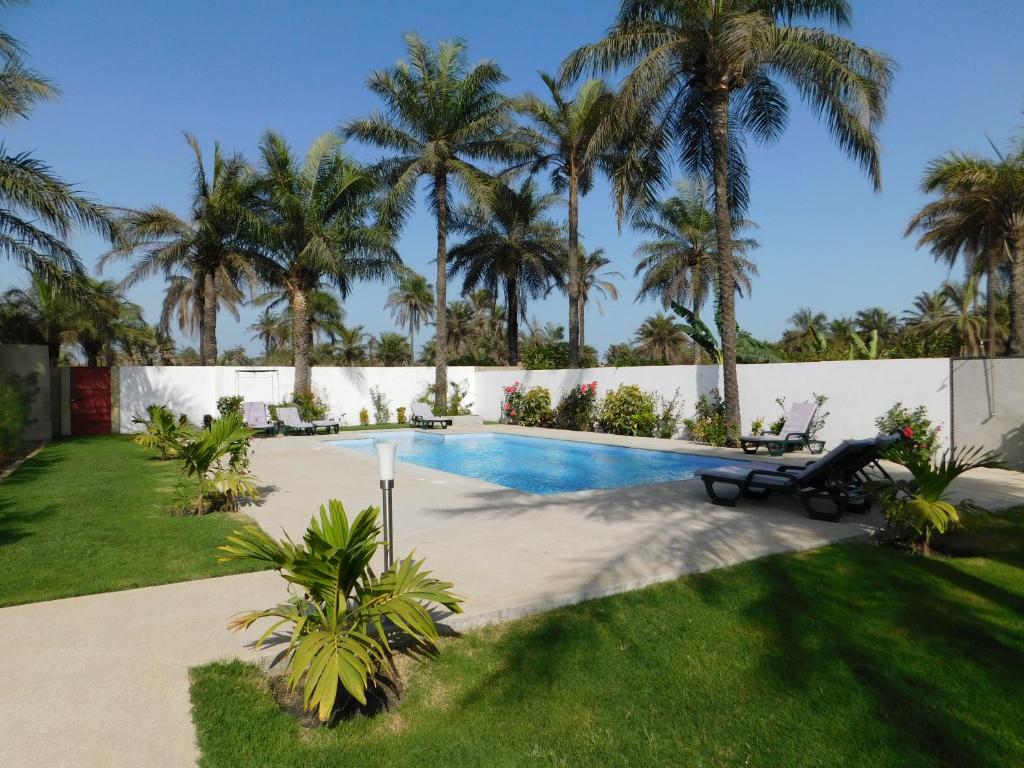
<point>628,410</point>
<point>666,423</point>
<point>457,405</point>
<point>229,404</point>
<point>526,407</point>
<point>578,408</point>
<point>914,425</point>
<point>400,411</point>
<point>817,423</point>
<point>381,406</point>
<point>162,430</point>
<point>364,417</point>
<point>340,620</point>
<point>311,407</point>
<point>15,405</point>
<point>708,424</point>
<point>218,461</point>
<point>917,508</point>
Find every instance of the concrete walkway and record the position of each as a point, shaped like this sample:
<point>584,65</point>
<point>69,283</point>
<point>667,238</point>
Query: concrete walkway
<point>103,680</point>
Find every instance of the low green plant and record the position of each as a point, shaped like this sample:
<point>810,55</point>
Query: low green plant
<point>15,405</point>
<point>381,406</point>
<point>457,405</point>
<point>917,508</point>
<point>757,426</point>
<point>400,414</point>
<point>526,407</point>
<point>162,430</point>
<point>666,423</point>
<point>229,404</point>
<point>364,417</point>
<point>628,410</point>
<point>311,407</point>
<point>914,425</point>
<point>344,618</point>
<point>577,409</point>
<point>217,460</point>
<point>708,424</point>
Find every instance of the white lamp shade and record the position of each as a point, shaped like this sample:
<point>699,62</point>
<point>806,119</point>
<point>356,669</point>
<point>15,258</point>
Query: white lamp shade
<point>386,460</point>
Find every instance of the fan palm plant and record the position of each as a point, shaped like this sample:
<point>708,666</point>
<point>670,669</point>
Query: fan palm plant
<point>568,140</point>
<point>412,303</point>
<point>661,337</point>
<point>510,246</point>
<point>345,618</point>
<point>700,75</point>
<point>321,224</point>
<point>443,115</point>
<point>204,255</point>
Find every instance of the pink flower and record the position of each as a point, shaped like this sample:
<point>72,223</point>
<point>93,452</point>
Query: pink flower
<point>512,413</point>
<point>908,432</point>
<point>504,406</point>
<point>583,388</point>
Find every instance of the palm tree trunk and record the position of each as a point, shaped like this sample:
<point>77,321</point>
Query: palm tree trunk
<point>574,271</point>
<point>412,343</point>
<point>512,324</point>
<point>583,324</point>
<point>208,342</point>
<point>300,340</point>
<point>1017,299</point>
<point>726,265</point>
<point>441,301</point>
<point>990,306</point>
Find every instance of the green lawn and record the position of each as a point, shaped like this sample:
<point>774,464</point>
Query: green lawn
<point>852,655</point>
<point>360,427</point>
<point>90,515</point>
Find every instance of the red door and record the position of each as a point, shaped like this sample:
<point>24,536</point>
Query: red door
<point>90,401</point>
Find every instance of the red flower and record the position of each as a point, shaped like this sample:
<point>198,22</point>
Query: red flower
<point>511,413</point>
<point>908,432</point>
<point>504,406</point>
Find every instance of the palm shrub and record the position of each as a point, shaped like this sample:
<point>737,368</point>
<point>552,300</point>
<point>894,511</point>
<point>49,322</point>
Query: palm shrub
<point>628,410</point>
<point>919,507</point>
<point>162,430</point>
<point>346,617</point>
<point>218,461</point>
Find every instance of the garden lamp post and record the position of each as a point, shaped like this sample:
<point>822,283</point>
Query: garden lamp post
<point>386,463</point>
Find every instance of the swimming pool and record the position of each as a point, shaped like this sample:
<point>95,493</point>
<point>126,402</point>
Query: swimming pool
<point>538,464</point>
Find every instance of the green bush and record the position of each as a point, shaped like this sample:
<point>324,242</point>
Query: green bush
<point>578,408</point>
<point>914,425</point>
<point>229,404</point>
<point>526,408</point>
<point>457,405</point>
<point>667,422</point>
<point>381,406</point>
<point>708,424</point>
<point>628,410</point>
<point>15,403</point>
<point>311,407</point>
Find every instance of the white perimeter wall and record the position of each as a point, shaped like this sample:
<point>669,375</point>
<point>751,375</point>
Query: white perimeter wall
<point>858,390</point>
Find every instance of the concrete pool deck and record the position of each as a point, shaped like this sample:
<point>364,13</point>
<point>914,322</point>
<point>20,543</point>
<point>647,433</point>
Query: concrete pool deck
<point>102,680</point>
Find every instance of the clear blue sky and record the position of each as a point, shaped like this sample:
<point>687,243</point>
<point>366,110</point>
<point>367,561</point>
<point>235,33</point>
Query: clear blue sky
<point>135,73</point>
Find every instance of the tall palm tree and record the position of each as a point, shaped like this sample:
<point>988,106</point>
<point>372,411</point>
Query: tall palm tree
<point>107,320</point>
<point>930,309</point>
<point>979,214</point>
<point>442,116</point>
<point>877,319</point>
<point>681,262</point>
<point>207,248</point>
<point>963,318</point>
<point>661,337</point>
<point>47,311</point>
<point>184,303</point>
<point>352,344</point>
<point>461,328</point>
<point>510,246</point>
<point>568,139</point>
<point>700,75</point>
<point>594,282</point>
<point>393,350</point>
<point>269,329</point>
<point>412,303</point>
<point>319,225</point>
<point>806,330</point>
<point>38,209</point>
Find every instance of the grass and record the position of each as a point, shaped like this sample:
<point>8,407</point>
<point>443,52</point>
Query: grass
<point>89,515</point>
<point>851,655</point>
<point>360,427</point>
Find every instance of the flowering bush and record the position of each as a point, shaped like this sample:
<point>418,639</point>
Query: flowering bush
<point>578,408</point>
<point>628,410</point>
<point>914,425</point>
<point>526,407</point>
<point>708,424</point>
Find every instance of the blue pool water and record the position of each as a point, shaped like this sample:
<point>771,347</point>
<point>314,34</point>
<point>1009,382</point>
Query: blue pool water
<point>538,465</point>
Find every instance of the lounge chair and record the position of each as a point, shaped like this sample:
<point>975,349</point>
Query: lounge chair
<point>839,477</point>
<point>328,424</point>
<point>423,416</point>
<point>257,418</point>
<point>795,432</point>
<point>290,421</point>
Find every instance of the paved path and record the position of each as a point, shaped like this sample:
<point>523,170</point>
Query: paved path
<point>103,680</point>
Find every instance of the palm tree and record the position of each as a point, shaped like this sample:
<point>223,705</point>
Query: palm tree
<point>442,116</point>
<point>510,246</point>
<point>661,337</point>
<point>681,262</point>
<point>47,311</point>
<point>319,226</point>
<point>269,329</point>
<point>979,214</point>
<point>393,350</point>
<point>461,327</point>
<point>184,300</point>
<point>352,344</point>
<point>877,319</point>
<point>412,303</point>
<point>963,319</point>
<point>106,320</point>
<point>930,310</point>
<point>594,281</point>
<point>701,75</point>
<point>806,332</point>
<point>208,246</point>
<point>568,139</point>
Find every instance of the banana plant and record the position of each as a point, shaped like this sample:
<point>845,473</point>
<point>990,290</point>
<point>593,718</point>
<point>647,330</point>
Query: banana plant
<point>163,430</point>
<point>923,504</point>
<point>339,626</point>
<point>869,350</point>
<point>697,330</point>
<point>216,458</point>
